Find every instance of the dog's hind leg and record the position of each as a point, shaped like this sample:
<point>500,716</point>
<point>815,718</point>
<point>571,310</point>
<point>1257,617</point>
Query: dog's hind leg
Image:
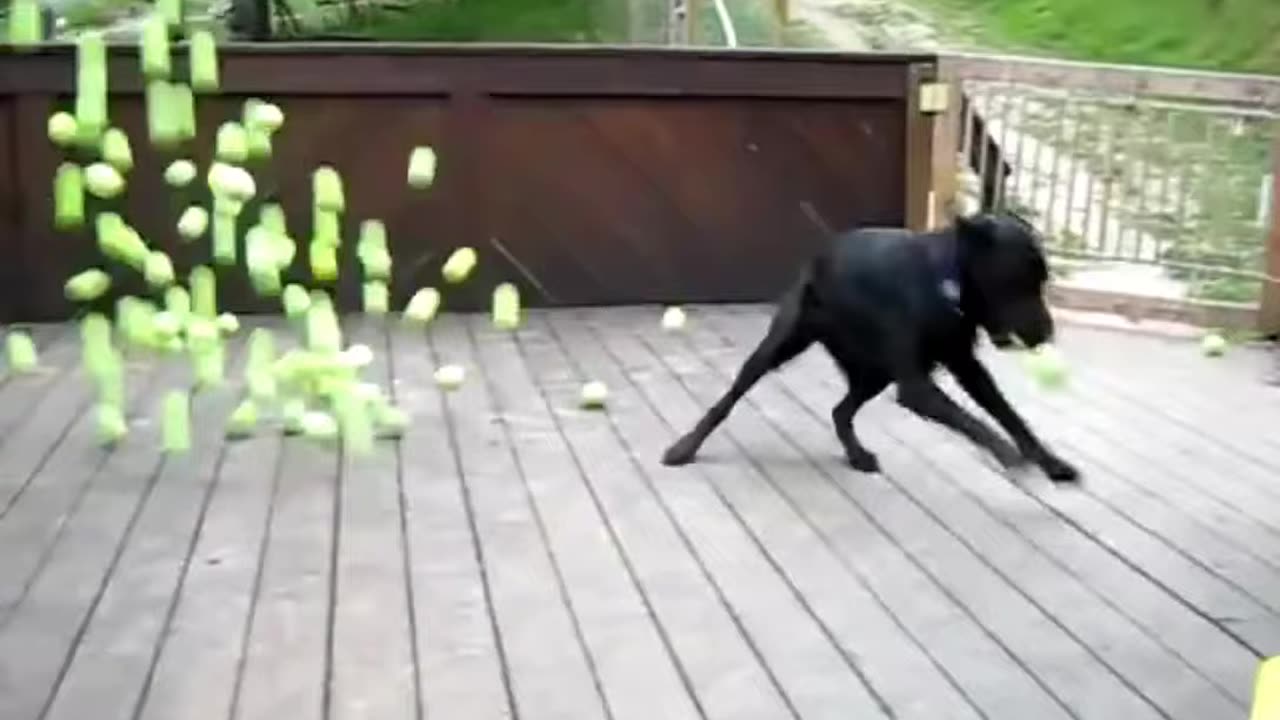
<point>787,337</point>
<point>862,387</point>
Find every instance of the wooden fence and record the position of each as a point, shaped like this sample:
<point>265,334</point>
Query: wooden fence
<point>1126,167</point>
<point>602,175</point>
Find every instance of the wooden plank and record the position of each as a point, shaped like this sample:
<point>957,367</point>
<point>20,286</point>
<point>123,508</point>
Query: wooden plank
<point>550,672</point>
<point>905,678</point>
<point>1080,679</point>
<point>109,670</point>
<point>287,663</point>
<point>461,668</point>
<point>62,471</point>
<point>637,675</point>
<point>373,659</point>
<point>804,655</point>
<point>19,396</point>
<point>1238,88</point>
<point>40,638</point>
<point>717,660</point>
<point>1113,639</point>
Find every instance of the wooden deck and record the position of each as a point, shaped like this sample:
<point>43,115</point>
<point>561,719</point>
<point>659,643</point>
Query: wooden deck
<point>514,557</point>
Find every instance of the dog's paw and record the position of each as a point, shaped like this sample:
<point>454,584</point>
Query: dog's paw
<point>1059,470</point>
<point>681,453</point>
<point>863,461</point>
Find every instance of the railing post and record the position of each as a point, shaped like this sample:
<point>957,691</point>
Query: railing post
<point>946,130</point>
<point>1269,308</point>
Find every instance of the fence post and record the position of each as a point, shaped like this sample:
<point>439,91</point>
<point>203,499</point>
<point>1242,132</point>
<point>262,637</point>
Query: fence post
<point>1269,309</point>
<point>923,110</point>
<point>946,136</point>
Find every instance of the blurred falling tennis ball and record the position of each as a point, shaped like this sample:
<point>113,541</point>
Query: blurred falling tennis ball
<point>594,394</point>
<point>673,319</point>
<point>450,377</point>
<point>1046,366</point>
<point>1213,345</point>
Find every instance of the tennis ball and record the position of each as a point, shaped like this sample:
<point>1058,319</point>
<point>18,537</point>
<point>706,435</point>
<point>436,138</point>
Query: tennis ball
<point>21,351</point>
<point>231,181</point>
<point>116,151</point>
<point>177,422</point>
<point>180,173</point>
<point>450,377</point>
<point>326,189</point>
<point>324,262</point>
<point>232,143</point>
<point>228,324</point>
<point>391,421</point>
<point>271,216</point>
<point>258,142</point>
<point>296,301</point>
<point>112,427</point>
<point>1046,365</point>
<point>68,197</point>
<point>91,85</point>
<point>178,301</point>
<point>243,419</point>
<point>87,286</point>
<point>193,222</point>
<point>182,103</point>
<point>159,270</point>
<point>154,47</point>
<point>673,319</point>
<point>104,180</point>
<point>163,122</point>
<point>292,413</point>
<point>204,292</point>
<point>594,394</point>
<point>171,11</point>
<point>423,306</point>
<point>26,24</point>
<point>422,168</point>
<point>506,307</point>
<point>265,115</point>
<point>357,356</point>
<point>318,425</point>
<point>224,239</point>
<point>459,265</point>
<point>377,298</point>
<point>204,61</point>
<point>1213,344</point>
<point>326,227</point>
<point>62,129</point>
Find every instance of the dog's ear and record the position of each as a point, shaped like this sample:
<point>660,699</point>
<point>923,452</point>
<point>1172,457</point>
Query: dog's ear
<point>979,229</point>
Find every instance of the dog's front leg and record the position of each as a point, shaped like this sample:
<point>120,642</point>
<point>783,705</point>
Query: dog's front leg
<point>976,380</point>
<point>920,395</point>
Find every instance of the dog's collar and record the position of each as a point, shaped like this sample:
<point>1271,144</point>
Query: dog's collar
<point>949,277</point>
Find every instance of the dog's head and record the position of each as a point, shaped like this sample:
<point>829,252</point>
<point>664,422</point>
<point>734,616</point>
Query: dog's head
<point>1005,274</point>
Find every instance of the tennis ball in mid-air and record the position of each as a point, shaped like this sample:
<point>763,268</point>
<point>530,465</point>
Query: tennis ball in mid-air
<point>1213,345</point>
<point>1046,365</point>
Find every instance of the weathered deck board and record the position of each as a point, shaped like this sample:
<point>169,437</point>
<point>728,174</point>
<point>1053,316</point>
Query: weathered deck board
<point>514,555</point>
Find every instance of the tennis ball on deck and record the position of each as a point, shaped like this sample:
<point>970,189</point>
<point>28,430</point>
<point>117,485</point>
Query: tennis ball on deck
<point>1266,690</point>
<point>232,143</point>
<point>506,307</point>
<point>318,425</point>
<point>104,180</point>
<point>1046,366</point>
<point>450,377</point>
<point>243,419</point>
<point>1213,345</point>
<point>177,422</point>
<point>326,189</point>
<point>292,412</point>
<point>423,306</point>
<point>180,173</point>
<point>21,351</point>
<point>193,222</point>
<point>153,44</point>
<point>594,394</point>
<point>87,286</point>
<point>459,265</point>
<point>228,324</point>
<point>183,106</point>
<point>112,427</point>
<point>68,197</point>
<point>204,61</point>
<point>673,319</point>
<point>357,356</point>
<point>377,298</point>
<point>62,128</point>
<point>422,168</point>
<point>391,421</point>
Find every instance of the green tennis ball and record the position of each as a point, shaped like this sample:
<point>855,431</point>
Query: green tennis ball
<point>373,236</point>
<point>323,332</point>
<point>178,301</point>
<point>171,11</point>
<point>165,325</point>
<point>231,181</point>
<point>391,421</point>
<point>91,86</point>
<point>292,412</point>
<point>271,216</point>
<point>204,292</point>
<point>506,307</point>
<point>193,223</point>
<point>377,264</point>
<point>103,180</point>
<point>319,425</point>
<point>326,227</point>
<point>159,270</point>
<point>422,168</point>
<point>111,424</point>
<point>450,377</point>
<point>243,420</point>
<point>594,394</point>
<point>324,262</point>
<point>459,265</point>
<point>258,143</point>
<point>267,116</point>
<point>183,107</point>
<point>116,151</point>
<point>224,239</point>
<point>21,351</point>
<point>204,61</point>
<point>177,422</point>
<point>87,286</point>
<point>154,47</point>
<point>354,422</point>
<point>296,301</point>
<point>108,377</point>
<point>180,173</point>
<point>26,25</point>
<point>163,121</point>
<point>232,143</point>
<point>62,129</point>
<point>422,307</point>
<point>326,187</point>
<point>68,197</point>
<point>1213,345</point>
<point>377,299</point>
<point>208,364</point>
<point>1046,366</point>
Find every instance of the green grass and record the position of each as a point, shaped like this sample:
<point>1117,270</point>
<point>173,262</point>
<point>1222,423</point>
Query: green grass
<point>1237,35</point>
<point>541,21</point>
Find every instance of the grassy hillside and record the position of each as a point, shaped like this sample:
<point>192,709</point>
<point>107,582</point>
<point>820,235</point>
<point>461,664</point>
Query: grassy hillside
<point>1240,35</point>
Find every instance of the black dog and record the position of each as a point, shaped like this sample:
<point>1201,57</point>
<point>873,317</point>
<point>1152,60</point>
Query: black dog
<point>890,305</point>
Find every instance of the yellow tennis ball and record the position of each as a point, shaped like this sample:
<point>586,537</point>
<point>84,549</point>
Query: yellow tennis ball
<point>104,180</point>
<point>193,223</point>
<point>180,173</point>
<point>422,168</point>
<point>204,61</point>
<point>88,285</point>
<point>1046,365</point>
<point>450,377</point>
<point>1213,345</point>
<point>506,307</point>
<point>423,306</point>
<point>68,197</point>
<point>594,394</point>
<point>62,128</point>
<point>673,319</point>
<point>459,265</point>
<point>21,351</point>
<point>326,186</point>
<point>243,419</point>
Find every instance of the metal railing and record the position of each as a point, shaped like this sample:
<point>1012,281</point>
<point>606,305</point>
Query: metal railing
<point>1171,170</point>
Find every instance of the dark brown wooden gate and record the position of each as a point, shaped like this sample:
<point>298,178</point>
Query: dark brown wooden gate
<point>611,175</point>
